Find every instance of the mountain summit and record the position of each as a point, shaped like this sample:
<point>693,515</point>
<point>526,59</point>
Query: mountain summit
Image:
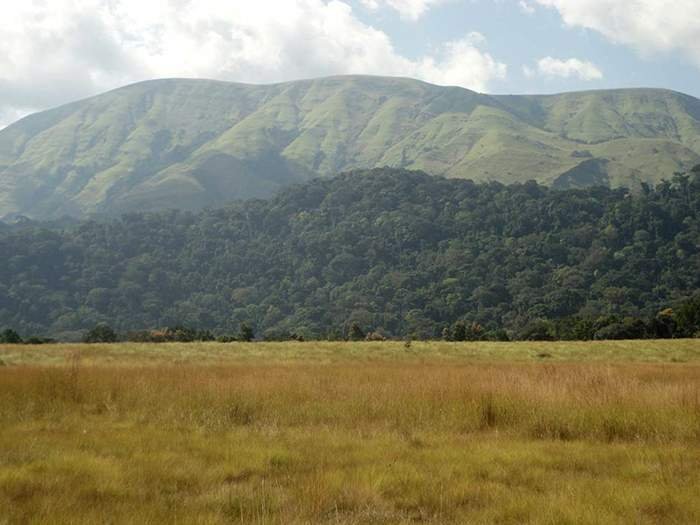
<point>196,143</point>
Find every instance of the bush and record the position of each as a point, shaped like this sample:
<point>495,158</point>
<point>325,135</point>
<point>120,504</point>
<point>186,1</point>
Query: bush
<point>33,340</point>
<point>576,328</point>
<point>687,317</point>
<point>538,331</point>
<point>475,332</point>
<point>102,333</point>
<point>246,333</point>
<point>356,333</point>
<point>375,336</point>
<point>176,334</point>
<point>10,337</point>
<point>142,336</point>
<point>663,326</point>
<point>615,331</point>
<point>180,334</point>
<point>460,331</point>
<point>497,335</point>
<point>276,335</point>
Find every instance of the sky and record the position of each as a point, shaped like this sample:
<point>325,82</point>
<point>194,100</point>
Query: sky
<point>56,51</point>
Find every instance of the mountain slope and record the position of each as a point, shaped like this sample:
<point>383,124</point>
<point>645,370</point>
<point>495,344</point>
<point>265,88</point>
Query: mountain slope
<point>197,143</point>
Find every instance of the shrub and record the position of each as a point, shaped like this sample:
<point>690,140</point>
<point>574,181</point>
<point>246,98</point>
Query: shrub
<point>460,331</point>
<point>687,317</point>
<point>375,336</point>
<point>615,331</point>
<point>540,330</point>
<point>180,334</point>
<point>140,336</point>
<point>246,333</point>
<point>497,335</point>
<point>102,333</point>
<point>475,332</point>
<point>446,334</point>
<point>11,337</point>
<point>33,340</point>
<point>356,333</point>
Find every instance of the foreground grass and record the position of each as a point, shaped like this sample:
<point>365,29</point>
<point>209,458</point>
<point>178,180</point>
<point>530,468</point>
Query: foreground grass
<point>349,434</point>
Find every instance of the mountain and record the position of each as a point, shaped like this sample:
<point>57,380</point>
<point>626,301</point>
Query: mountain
<point>399,251</point>
<point>196,143</point>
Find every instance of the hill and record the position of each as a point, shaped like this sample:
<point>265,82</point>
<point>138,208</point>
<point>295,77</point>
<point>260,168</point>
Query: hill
<point>399,251</point>
<point>190,144</point>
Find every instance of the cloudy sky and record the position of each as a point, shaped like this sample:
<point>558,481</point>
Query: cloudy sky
<point>56,51</point>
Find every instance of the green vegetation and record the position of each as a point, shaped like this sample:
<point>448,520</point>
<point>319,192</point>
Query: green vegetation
<point>387,253</point>
<point>350,433</point>
<point>9,336</point>
<point>102,333</point>
<point>213,354</point>
<point>194,143</point>
<point>428,411</point>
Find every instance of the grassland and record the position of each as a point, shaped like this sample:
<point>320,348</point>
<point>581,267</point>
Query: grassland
<point>351,433</point>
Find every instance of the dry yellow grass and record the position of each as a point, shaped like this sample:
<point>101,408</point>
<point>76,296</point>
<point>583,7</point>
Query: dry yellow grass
<point>324,433</point>
<point>650,351</point>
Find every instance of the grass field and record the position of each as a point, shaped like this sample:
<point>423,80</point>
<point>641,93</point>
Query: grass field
<point>351,433</point>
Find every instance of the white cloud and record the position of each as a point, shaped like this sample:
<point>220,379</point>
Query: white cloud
<point>572,67</point>
<point>461,64</point>
<point>646,25</point>
<point>526,7</point>
<point>410,9</point>
<point>52,52</point>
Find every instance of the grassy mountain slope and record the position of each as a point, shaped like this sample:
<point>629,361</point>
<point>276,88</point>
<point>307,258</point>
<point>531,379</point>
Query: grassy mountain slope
<point>196,143</point>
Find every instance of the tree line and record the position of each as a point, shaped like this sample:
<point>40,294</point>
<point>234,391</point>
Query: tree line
<point>383,253</point>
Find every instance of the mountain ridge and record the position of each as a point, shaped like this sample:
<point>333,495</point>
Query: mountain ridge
<point>192,143</point>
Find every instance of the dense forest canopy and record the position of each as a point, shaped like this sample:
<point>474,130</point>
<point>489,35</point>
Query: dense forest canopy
<point>398,252</point>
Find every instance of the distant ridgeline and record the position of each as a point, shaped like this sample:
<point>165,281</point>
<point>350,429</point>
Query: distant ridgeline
<point>386,251</point>
<point>193,144</point>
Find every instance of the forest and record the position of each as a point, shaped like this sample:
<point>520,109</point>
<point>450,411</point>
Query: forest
<point>383,253</point>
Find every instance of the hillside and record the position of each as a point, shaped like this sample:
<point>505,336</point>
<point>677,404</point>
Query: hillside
<point>399,251</point>
<point>196,143</point>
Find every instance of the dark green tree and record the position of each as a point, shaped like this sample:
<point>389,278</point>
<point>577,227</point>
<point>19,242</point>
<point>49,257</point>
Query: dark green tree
<point>9,336</point>
<point>181,334</point>
<point>356,333</point>
<point>539,330</point>
<point>687,317</point>
<point>102,333</point>
<point>663,326</point>
<point>475,332</point>
<point>446,334</point>
<point>459,333</point>
<point>246,333</point>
